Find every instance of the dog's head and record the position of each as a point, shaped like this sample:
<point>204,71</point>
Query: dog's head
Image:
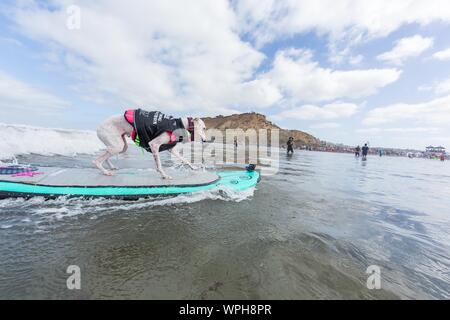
<point>197,129</point>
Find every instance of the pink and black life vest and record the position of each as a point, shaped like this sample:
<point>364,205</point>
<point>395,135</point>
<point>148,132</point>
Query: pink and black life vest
<point>150,124</point>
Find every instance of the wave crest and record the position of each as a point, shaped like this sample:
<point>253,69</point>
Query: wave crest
<point>21,139</point>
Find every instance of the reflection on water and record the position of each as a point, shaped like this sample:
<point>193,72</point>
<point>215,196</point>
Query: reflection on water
<point>310,231</point>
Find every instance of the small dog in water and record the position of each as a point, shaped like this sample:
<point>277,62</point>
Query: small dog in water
<point>151,130</point>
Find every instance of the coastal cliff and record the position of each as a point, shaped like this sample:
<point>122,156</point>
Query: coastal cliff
<point>257,121</point>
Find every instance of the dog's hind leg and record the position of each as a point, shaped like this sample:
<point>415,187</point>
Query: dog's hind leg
<point>111,165</point>
<point>125,148</point>
<point>99,163</point>
<point>114,143</point>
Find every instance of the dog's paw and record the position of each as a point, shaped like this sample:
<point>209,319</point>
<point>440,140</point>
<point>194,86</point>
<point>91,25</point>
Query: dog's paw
<point>166,177</point>
<point>109,173</point>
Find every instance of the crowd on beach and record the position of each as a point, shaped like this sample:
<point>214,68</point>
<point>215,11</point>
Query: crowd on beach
<point>290,146</point>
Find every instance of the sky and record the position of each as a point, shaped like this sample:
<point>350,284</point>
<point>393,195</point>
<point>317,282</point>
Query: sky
<point>346,71</point>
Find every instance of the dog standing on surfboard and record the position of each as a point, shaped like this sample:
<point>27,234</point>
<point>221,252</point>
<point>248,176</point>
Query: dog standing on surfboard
<point>151,130</point>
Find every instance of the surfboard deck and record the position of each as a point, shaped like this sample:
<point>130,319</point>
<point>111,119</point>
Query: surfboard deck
<point>52,182</point>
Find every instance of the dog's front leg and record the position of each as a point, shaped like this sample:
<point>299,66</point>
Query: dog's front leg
<point>181,158</point>
<point>154,145</point>
<point>125,144</point>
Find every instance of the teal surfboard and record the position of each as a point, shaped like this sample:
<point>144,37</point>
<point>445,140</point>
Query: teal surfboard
<point>51,182</point>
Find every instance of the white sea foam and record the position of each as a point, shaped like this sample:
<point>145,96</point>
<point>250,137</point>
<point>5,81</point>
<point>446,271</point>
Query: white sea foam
<point>37,210</point>
<point>21,139</point>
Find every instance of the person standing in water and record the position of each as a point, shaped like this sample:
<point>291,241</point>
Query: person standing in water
<point>357,151</point>
<point>365,151</point>
<point>290,145</point>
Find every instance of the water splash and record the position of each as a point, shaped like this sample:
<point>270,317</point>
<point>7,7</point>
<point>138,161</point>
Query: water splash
<point>37,210</point>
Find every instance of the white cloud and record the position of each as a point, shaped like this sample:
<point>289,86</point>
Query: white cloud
<point>428,130</point>
<point>442,55</point>
<point>440,87</point>
<point>11,41</point>
<point>15,94</point>
<point>267,20</point>
<point>302,79</point>
<point>259,93</point>
<point>182,59</point>
<point>406,48</point>
<point>346,23</point>
<point>413,137</point>
<point>425,88</point>
<point>355,60</point>
<point>434,112</point>
<point>312,112</point>
<point>176,55</point>
<point>326,125</point>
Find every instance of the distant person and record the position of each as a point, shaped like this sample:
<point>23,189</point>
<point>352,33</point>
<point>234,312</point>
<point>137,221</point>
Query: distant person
<point>365,151</point>
<point>380,152</point>
<point>235,142</point>
<point>290,145</point>
<point>357,151</point>
<point>442,157</point>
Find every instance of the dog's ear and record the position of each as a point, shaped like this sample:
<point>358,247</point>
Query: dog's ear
<point>199,121</point>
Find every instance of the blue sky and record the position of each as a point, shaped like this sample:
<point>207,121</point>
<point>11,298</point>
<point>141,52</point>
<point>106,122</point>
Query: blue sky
<point>347,71</point>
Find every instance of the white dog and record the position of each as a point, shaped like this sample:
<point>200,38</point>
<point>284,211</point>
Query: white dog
<point>151,130</point>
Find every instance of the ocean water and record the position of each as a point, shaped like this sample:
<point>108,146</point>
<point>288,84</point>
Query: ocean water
<point>308,232</point>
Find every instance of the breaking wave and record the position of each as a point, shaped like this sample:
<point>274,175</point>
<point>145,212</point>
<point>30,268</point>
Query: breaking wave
<point>22,139</point>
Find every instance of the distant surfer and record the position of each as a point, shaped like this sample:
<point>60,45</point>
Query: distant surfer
<point>365,151</point>
<point>357,151</point>
<point>151,130</point>
<point>290,145</point>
